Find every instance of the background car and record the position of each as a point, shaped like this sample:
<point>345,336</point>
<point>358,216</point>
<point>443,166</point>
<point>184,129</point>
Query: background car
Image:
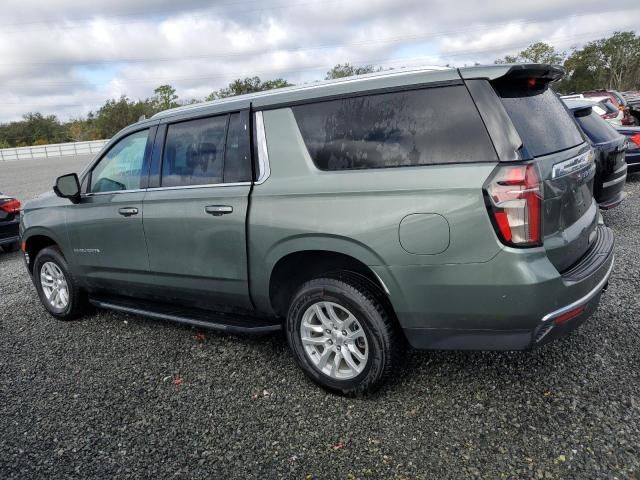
<point>609,147</point>
<point>618,101</point>
<point>607,109</point>
<point>602,105</point>
<point>633,150</point>
<point>9,222</point>
<point>633,101</point>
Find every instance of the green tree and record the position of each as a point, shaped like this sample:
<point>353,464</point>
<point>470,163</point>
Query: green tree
<point>114,115</point>
<point>166,97</point>
<point>34,127</point>
<point>241,86</point>
<point>609,63</point>
<point>348,70</point>
<point>538,52</point>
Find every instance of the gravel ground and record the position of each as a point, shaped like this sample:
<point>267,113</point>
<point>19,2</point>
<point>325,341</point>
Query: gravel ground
<point>113,396</point>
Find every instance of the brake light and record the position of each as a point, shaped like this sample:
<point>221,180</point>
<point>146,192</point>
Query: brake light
<point>635,139</point>
<point>515,196</point>
<point>10,206</point>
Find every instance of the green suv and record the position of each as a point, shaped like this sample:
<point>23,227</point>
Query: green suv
<point>437,208</point>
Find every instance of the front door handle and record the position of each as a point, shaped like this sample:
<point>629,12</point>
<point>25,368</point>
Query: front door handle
<point>218,210</point>
<point>128,211</point>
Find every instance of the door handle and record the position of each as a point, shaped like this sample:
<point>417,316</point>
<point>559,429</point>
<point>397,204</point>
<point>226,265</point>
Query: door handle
<point>128,211</point>
<point>218,210</point>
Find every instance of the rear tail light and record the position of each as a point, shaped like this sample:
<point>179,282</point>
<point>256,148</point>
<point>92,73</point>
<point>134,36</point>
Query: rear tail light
<point>10,206</point>
<point>635,139</point>
<point>515,197</point>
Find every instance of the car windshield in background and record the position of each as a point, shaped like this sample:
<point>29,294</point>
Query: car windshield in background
<point>597,129</point>
<point>526,107</point>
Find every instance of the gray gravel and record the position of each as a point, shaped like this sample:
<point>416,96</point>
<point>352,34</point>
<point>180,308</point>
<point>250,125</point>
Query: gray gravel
<point>114,396</point>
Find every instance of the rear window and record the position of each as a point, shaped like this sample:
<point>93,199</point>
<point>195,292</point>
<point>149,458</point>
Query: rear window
<point>410,128</point>
<point>597,129</point>
<point>544,124</point>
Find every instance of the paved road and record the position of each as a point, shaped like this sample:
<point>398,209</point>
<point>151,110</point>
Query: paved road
<point>115,396</point>
<point>26,179</point>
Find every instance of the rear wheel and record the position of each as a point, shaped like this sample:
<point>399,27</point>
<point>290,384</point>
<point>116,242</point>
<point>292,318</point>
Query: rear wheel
<point>58,290</point>
<point>343,334</point>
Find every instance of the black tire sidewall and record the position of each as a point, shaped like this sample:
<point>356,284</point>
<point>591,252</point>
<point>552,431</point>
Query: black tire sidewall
<point>54,256</point>
<point>327,290</point>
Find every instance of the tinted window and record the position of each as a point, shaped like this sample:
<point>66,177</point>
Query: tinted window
<point>121,167</point>
<point>237,165</point>
<point>544,124</point>
<point>597,129</point>
<point>419,127</point>
<point>194,152</point>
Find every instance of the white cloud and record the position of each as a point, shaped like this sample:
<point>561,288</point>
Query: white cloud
<point>67,57</point>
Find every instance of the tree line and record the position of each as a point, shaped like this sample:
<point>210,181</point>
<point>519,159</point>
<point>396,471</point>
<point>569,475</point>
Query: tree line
<point>609,63</point>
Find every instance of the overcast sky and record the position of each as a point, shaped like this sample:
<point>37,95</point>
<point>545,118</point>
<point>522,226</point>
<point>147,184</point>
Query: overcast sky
<point>68,56</point>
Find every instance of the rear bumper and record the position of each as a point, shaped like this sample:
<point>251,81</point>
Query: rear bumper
<point>514,302</point>
<point>9,232</point>
<point>633,161</point>
<point>610,193</point>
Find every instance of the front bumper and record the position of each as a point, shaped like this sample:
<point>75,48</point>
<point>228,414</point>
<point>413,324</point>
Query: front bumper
<point>510,303</point>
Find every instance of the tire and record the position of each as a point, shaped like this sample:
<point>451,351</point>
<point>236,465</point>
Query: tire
<point>76,304</point>
<point>344,293</point>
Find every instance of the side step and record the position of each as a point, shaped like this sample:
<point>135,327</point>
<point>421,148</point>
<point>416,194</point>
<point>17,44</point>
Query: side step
<point>236,324</point>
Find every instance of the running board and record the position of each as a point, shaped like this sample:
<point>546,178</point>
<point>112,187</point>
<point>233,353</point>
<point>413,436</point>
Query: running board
<point>214,321</point>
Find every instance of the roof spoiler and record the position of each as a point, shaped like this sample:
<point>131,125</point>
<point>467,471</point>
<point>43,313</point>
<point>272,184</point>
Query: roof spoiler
<point>582,111</point>
<point>548,73</point>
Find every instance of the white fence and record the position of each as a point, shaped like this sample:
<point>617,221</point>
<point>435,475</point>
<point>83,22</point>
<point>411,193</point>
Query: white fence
<point>53,150</point>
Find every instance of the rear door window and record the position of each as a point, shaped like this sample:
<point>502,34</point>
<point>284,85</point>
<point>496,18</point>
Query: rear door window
<point>237,162</point>
<point>542,121</point>
<point>597,129</point>
<point>194,152</point>
<point>437,125</point>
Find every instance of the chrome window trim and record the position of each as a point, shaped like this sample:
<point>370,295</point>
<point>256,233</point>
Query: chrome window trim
<point>115,192</point>
<point>263,153</point>
<point>210,185</point>
<point>182,187</point>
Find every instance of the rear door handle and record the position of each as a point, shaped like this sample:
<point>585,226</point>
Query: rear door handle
<point>128,211</point>
<point>218,210</point>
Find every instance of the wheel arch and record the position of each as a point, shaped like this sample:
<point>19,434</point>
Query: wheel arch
<point>34,240</point>
<point>305,258</point>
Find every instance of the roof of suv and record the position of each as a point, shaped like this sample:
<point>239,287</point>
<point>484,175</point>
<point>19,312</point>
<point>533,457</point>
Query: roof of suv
<point>374,81</point>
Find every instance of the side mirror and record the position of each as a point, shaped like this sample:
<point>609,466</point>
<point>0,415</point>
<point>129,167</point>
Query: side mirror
<point>68,186</point>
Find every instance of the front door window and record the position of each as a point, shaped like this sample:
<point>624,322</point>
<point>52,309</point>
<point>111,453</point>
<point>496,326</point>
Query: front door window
<point>121,168</point>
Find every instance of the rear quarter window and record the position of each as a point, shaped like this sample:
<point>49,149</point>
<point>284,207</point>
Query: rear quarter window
<point>419,127</point>
<point>542,121</point>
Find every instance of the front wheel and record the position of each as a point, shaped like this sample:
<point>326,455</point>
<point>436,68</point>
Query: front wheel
<point>58,290</point>
<point>343,335</point>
